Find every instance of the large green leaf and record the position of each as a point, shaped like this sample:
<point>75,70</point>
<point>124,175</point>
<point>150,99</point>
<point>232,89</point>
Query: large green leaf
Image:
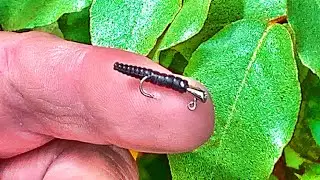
<point>250,71</point>
<point>75,26</point>
<point>223,12</point>
<point>27,14</point>
<point>304,18</point>
<point>132,25</point>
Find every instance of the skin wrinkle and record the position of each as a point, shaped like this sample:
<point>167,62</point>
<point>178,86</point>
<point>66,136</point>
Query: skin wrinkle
<point>49,107</point>
<point>17,111</point>
<point>104,132</point>
<point>15,101</point>
<point>51,163</point>
<point>20,108</point>
<point>113,161</point>
<point>3,60</point>
<point>124,156</point>
<point>55,105</point>
<point>52,149</point>
<point>66,124</point>
<point>114,171</point>
<point>53,117</point>
<point>47,111</point>
<point>77,85</point>
<point>123,170</point>
<point>108,155</point>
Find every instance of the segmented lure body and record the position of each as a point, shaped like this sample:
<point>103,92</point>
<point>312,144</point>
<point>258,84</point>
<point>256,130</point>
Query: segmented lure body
<point>155,77</point>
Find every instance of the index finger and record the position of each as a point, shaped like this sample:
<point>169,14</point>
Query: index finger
<point>71,91</point>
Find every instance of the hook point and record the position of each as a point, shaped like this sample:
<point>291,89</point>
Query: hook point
<point>143,92</point>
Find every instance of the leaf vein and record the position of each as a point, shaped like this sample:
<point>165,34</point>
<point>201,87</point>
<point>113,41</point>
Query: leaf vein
<point>243,82</point>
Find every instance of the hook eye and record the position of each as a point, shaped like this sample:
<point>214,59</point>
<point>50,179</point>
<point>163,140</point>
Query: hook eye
<point>193,104</point>
<point>143,92</point>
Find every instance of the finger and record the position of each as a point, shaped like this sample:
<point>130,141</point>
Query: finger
<point>62,159</point>
<point>70,91</point>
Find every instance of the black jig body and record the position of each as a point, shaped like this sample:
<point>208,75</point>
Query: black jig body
<point>161,79</point>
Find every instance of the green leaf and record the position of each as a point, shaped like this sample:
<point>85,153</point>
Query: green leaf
<point>132,25</point>
<point>312,111</point>
<point>178,64</point>
<point>153,167</point>
<point>51,28</point>
<point>250,71</point>
<point>314,125</point>
<point>166,57</point>
<point>304,18</point>
<point>75,26</point>
<point>173,61</point>
<point>303,141</point>
<point>312,173</point>
<point>264,9</point>
<point>187,23</point>
<point>293,159</point>
<point>28,14</point>
<point>223,12</point>
<point>272,177</point>
<point>313,108</point>
<point>303,70</point>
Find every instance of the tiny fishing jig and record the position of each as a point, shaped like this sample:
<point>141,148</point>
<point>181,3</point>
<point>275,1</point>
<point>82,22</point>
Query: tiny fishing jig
<point>161,79</point>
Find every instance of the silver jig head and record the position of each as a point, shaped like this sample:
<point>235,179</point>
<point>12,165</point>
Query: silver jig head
<point>198,94</point>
